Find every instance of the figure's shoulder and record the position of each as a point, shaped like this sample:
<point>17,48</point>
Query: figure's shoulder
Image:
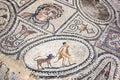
<point>63,47</point>
<point>26,14</point>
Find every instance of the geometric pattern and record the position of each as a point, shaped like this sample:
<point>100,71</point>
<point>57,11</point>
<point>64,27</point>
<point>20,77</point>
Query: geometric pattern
<point>110,41</point>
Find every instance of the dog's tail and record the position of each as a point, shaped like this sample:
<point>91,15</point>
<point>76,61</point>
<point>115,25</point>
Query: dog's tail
<point>36,58</point>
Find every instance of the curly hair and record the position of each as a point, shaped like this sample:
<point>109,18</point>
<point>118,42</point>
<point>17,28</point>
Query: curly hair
<point>55,6</point>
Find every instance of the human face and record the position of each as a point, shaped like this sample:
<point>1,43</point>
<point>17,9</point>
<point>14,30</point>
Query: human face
<point>51,12</point>
<point>66,45</point>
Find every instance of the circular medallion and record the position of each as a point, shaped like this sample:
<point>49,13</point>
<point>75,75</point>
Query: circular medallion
<point>7,16</point>
<point>96,11</point>
<point>58,56</point>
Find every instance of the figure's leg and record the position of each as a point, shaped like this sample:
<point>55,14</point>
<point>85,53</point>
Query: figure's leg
<point>68,57</point>
<point>56,61</point>
<point>63,63</point>
<point>69,60</point>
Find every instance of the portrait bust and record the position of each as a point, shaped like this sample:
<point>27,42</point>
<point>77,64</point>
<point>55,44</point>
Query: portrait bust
<point>43,14</point>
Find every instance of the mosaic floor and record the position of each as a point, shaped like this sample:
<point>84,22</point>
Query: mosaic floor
<point>59,39</point>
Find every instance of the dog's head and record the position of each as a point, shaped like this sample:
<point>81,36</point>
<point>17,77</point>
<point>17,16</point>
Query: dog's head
<point>50,56</point>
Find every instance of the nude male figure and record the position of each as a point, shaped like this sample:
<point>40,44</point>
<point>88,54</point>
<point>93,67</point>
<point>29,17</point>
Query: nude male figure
<point>64,54</point>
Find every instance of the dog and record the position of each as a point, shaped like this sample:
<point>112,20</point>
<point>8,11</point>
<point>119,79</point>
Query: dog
<point>44,60</point>
<point>1,64</point>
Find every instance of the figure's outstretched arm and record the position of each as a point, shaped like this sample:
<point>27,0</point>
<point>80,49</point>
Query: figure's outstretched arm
<point>60,50</point>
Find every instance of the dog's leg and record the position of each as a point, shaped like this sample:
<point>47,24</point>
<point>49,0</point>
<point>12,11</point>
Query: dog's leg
<point>38,65</point>
<point>50,64</point>
<point>47,64</point>
<point>41,65</point>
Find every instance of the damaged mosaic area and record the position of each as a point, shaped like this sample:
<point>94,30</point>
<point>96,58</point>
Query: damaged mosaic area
<point>59,40</point>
